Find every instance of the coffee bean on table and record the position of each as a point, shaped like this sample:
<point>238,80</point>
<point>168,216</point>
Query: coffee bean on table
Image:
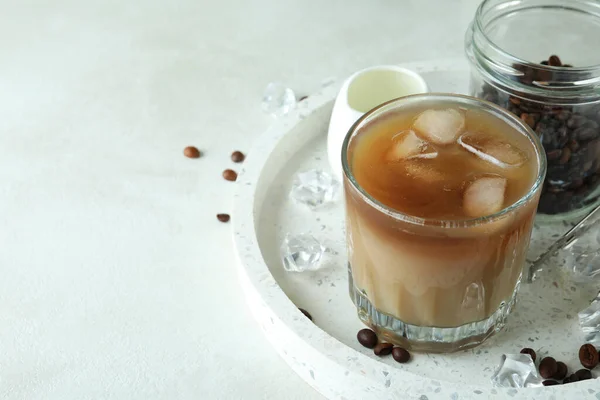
<point>583,374</point>
<point>302,98</point>
<point>306,313</point>
<point>367,338</point>
<point>400,355</point>
<point>588,356</point>
<point>548,367</point>
<point>223,217</point>
<point>230,175</point>
<point>549,382</point>
<point>383,349</point>
<point>237,156</point>
<point>529,351</point>
<point>561,371</point>
<point>191,152</point>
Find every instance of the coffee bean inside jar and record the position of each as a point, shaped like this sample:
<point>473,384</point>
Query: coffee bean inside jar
<point>558,96</point>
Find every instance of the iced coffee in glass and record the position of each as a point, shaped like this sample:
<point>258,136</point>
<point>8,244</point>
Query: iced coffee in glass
<point>441,192</point>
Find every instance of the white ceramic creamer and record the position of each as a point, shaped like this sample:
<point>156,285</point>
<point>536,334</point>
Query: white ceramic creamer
<point>360,93</point>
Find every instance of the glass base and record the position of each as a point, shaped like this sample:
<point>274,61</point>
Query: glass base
<point>427,338</point>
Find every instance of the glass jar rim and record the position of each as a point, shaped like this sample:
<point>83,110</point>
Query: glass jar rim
<point>481,29</point>
<point>499,112</point>
<point>572,82</point>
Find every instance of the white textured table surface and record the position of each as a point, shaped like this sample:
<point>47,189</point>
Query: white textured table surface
<point>116,280</point>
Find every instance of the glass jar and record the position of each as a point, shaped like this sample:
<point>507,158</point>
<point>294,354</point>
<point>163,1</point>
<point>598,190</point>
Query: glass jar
<point>517,50</point>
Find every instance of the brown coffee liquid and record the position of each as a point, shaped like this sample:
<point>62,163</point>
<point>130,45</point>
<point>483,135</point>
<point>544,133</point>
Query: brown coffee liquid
<point>432,182</point>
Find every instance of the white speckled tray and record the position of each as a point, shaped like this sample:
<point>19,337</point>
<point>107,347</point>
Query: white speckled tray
<point>325,353</point>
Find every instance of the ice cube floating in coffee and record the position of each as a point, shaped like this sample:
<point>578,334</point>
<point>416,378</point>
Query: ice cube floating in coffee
<point>447,163</point>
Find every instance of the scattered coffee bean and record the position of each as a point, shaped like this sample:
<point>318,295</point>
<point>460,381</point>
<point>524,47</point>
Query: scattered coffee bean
<point>549,382</point>
<point>223,217</point>
<point>383,349</point>
<point>588,356</point>
<point>400,355</point>
<point>237,156</point>
<point>548,367</point>
<point>554,61</point>
<point>191,152</point>
<point>302,98</point>
<point>230,175</point>
<point>306,313</point>
<point>571,378</point>
<point>529,351</point>
<point>583,374</point>
<point>561,371</point>
<point>367,338</point>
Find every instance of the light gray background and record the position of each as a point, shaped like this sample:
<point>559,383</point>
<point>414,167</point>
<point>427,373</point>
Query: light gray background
<point>116,280</point>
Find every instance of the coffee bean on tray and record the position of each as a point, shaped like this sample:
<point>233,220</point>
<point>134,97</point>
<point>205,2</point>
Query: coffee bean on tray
<point>571,378</point>
<point>400,355</point>
<point>548,367</point>
<point>549,382</point>
<point>383,349</point>
<point>588,356</point>
<point>306,313</point>
<point>561,371</point>
<point>223,217</point>
<point>583,374</point>
<point>230,175</point>
<point>367,338</point>
<point>191,152</point>
<point>529,351</point>
<point>237,156</point>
